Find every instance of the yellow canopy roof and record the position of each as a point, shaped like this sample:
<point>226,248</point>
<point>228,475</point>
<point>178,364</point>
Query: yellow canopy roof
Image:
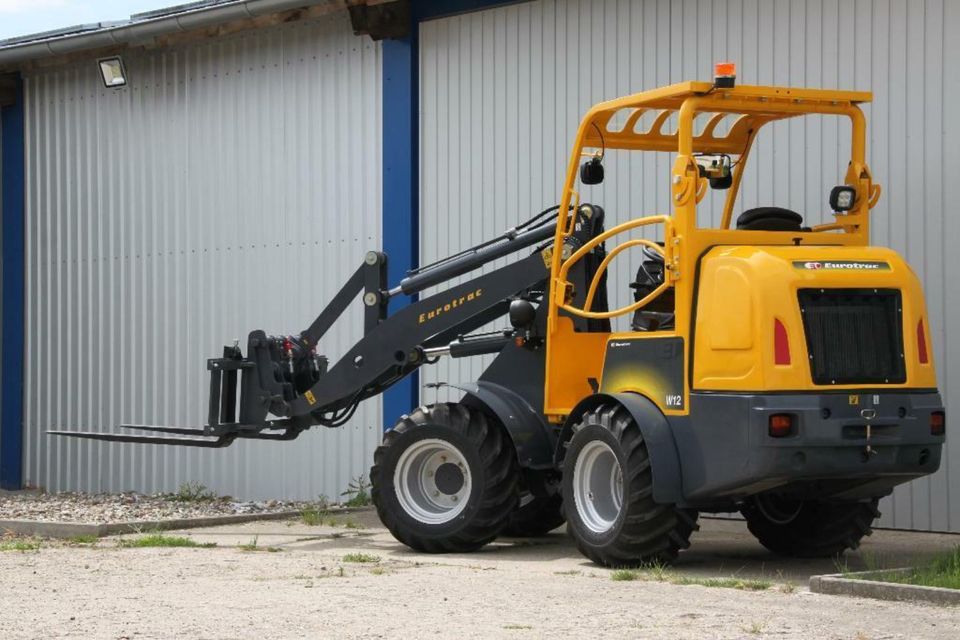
<point>614,124</point>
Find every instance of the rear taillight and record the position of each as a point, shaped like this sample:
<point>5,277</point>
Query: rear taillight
<point>780,425</point>
<point>938,423</point>
<point>922,344</point>
<point>781,344</point>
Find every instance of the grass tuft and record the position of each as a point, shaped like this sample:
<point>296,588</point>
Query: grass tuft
<point>313,517</point>
<point>744,584</point>
<point>87,539</point>
<point>160,540</point>
<point>659,572</point>
<point>361,557</point>
<point>20,544</point>
<point>942,571</point>
<point>624,575</point>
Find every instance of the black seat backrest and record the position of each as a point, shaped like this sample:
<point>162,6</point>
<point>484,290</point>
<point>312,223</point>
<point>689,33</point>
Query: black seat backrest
<point>589,227</point>
<point>658,314</point>
<point>770,219</point>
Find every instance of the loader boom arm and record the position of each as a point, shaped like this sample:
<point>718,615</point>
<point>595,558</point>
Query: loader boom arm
<point>286,387</point>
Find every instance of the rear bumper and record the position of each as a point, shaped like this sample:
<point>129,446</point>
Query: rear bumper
<point>727,453</point>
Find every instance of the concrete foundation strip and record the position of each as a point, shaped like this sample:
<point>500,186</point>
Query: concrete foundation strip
<point>73,530</point>
<point>850,584</point>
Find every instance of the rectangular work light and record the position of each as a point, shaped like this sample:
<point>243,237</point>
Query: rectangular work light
<point>112,72</point>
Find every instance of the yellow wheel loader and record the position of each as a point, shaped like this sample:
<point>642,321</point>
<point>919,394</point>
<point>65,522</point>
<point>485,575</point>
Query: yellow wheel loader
<point>763,363</point>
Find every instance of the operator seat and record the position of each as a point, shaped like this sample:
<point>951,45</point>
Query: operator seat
<point>590,224</point>
<point>658,314</point>
<point>770,219</point>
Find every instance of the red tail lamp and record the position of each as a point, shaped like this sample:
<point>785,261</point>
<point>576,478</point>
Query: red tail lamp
<point>781,343</point>
<point>922,344</point>
<point>938,423</point>
<point>780,425</point>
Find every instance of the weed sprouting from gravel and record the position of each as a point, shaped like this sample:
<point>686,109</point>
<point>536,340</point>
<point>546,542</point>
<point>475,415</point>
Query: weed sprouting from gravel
<point>569,572</point>
<point>87,539</point>
<point>756,628</point>
<point>517,627</point>
<point>254,546</point>
<point>20,544</point>
<point>841,565</point>
<point>624,575</point>
<point>378,571</point>
<point>193,492</point>
<point>160,540</point>
<point>361,557</point>
<point>358,490</point>
<point>313,517</point>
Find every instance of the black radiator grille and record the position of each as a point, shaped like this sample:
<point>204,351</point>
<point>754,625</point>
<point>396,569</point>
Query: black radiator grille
<point>854,336</point>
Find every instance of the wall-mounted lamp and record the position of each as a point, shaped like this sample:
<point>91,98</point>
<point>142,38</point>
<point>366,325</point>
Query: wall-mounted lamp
<point>113,72</point>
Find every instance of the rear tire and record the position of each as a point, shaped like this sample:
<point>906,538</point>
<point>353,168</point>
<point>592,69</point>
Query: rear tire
<point>445,479</point>
<point>809,528</point>
<point>608,495</point>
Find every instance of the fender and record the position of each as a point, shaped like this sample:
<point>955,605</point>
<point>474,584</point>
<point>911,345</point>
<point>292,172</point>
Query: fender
<point>533,440</point>
<point>657,435</point>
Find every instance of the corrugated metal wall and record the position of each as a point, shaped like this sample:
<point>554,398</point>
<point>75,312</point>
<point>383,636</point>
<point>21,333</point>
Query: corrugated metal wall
<point>233,185</point>
<point>503,91</point>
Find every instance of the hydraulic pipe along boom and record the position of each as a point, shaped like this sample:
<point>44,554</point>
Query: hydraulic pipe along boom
<point>457,266</point>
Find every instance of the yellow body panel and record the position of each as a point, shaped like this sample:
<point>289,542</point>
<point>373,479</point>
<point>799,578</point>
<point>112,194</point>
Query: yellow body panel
<point>743,289</point>
<point>747,277</point>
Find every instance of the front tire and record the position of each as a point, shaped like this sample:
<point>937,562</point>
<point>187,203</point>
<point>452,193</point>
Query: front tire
<point>608,495</point>
<point>445,479</point>
<point>809,528</point>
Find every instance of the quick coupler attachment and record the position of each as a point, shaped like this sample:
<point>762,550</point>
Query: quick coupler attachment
<point>222,409</point>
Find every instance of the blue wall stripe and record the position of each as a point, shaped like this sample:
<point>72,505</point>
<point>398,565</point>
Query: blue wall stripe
<point>401,229</point>
<point>401,164</point>
<point>12,256</point>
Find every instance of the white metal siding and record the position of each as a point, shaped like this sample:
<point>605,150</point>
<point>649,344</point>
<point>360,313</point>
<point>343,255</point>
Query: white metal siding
<point>235,184</point>
<point>502,92</point>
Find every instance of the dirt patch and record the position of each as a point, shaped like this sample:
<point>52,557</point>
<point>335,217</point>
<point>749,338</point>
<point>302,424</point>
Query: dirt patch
<point>312,585</point>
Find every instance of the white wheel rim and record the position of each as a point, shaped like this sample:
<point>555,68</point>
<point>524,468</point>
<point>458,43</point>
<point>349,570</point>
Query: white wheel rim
<point>432,481</point>
<point>598,486</point>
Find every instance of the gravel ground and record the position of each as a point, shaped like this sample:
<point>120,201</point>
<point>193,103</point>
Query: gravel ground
<point>86,508</point>
<point>288,580</point>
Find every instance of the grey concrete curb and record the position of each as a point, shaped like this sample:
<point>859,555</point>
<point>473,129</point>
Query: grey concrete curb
<point>72,530</point>
<point>849,585</point>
